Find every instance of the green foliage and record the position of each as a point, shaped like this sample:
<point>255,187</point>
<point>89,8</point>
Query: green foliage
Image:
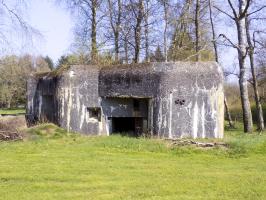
<point>14,72</point>
<point>157,56</point>
<point>183,48</point>
<point>50,63</point>
<point>66,60</point>
<point>237,116</point>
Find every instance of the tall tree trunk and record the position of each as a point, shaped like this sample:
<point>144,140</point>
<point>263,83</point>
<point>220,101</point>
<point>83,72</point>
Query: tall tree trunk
<point>243,83</point>
<point>213,33</point>
<point>228,114</point>
<point>115,22</point>
<point>116,46</point>
<point>93,31</point>
<point>117,30</point>
<point>147,44</point>
<point>137,31</point>
<point>227,111</point>
<point>126,48</point>
<point>8,104</point>
<point>254,78</point>
<point>165,6</point>
<point>197,30</point>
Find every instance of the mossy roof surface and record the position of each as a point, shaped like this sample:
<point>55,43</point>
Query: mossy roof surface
<point>177,67</point>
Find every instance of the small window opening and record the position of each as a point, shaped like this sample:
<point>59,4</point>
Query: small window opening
<point>94,113</point>
<point>136,105</point>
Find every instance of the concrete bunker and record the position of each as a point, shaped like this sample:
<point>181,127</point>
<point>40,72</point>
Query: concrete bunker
<point>165,100</point>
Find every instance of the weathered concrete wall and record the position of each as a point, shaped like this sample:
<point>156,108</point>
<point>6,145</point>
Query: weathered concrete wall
<point>129,81</point>
<point>78,90</point>
<point>41,101</point>
<point>184,99</point>
<point>123,107</point>
<point>190,101</point>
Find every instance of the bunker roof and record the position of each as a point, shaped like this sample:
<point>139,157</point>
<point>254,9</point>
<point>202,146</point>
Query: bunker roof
<point>190,68</point>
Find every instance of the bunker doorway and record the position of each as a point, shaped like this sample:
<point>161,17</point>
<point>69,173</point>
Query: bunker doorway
<point>128,116</point>
<point>48,108</point>
<point>131,126</point>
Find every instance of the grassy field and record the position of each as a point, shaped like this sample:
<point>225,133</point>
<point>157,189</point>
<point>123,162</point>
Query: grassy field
<point>51,164</point>
<point>12,111</point>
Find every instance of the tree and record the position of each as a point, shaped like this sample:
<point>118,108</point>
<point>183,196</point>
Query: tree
<point>239,18</point>
<point>14,24</point>
<point>86,28</point>
<point>41,65</point>
<point>137,9</point>
<point>146,30</point>
<point>254,75</point>
<point>215,47</point>
<point>70,59</point>
<point>165,4</point>
<point>14,72</point>
<point>115,14</point>
<point>158,55</point>
<point>197,29</point>
<point>50,62</point>
<point>182,45</point>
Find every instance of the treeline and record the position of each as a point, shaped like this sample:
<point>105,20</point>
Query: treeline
<point>14,72</point>
<point>135,30</point>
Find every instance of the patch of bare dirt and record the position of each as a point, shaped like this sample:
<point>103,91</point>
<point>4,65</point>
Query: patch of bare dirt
<point>10,127</point>
<point>187,142</point>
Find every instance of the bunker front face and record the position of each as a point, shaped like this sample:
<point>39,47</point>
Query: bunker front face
<point>167,100</point>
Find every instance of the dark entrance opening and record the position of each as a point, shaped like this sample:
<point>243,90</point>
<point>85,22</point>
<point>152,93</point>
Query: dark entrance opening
<point>127,116</point>
<point>48,109</point>
<point>123,124</point>
<point>131,126</point>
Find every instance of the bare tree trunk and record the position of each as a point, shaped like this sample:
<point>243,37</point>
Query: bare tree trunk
<point>115,21</point>
<point>118,27</point>
<point>116,46</point>
<point>117,30</point>
<point>137,31</point>
<point>9,104</point>
<point>93,31</point>
<point>239,17</point>
<point>147,46</point>
<point>228,114</point>
<point>227,111</point>
<point>197,30</point>
<point>242,52</point>
<point>255,82</point>
<point>213,33</point>
<point>126,48</point>
<point>165,4</point>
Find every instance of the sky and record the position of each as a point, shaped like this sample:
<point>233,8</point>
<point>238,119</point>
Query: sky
<point>55,24</point>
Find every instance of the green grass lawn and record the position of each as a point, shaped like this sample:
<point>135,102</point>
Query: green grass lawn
<point>12,111</point>
<point>51,164</point>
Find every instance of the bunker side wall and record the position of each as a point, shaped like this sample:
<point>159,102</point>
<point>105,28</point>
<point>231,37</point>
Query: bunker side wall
<point>77,94</point>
